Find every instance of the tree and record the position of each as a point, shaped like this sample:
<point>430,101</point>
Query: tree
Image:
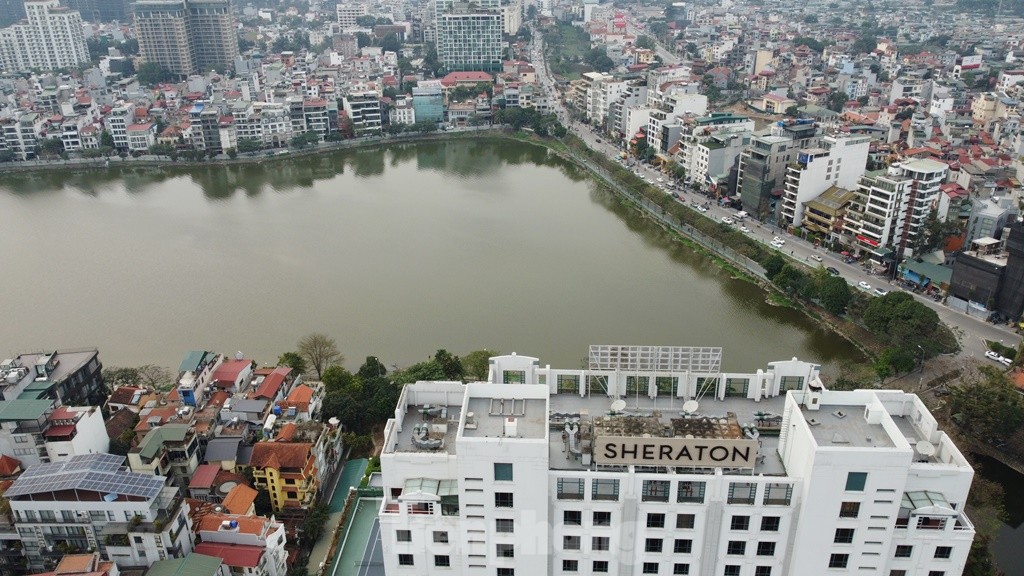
<point>145,376</point>
<point>372,368</point>
<point>864,44</point>
<point>391,43</point>
<point>837,100</point>
<point>262,503</point>
<point>793,111</point>
<point>811,19</point>
<point>645,42</point>
<point>246,145</point>
<point>834,294</point>
<point>151,73</point>
<point>106,140</point>
<point>477,363</point>
<point>366,21</point>
<point>531,12</point>
<point>450,364</point>
<point>899,320</point>
<point>989,406</point>
<point>773,265</point>
<point>293,360</point>
<point>814,45</point>
<point>52,147</point>
<point>363,39</point>
<point>232,153</point>
<point>320,351</point>
<point>338,379</point>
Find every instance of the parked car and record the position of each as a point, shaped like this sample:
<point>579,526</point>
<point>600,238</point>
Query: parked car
<point>1005,361</point>
<point>776,245</point>
<point>864,286</point>
<point>744,229</point>
<point>880,292</point>
<point>832,271</point>
<point>727,220</point>
<point>992,355</point>
<point>815,257</point>
<point>778,240</point>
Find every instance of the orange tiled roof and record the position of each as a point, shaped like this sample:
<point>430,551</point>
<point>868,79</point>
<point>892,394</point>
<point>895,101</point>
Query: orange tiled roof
<point>280,454</point>
<point>240,499</point>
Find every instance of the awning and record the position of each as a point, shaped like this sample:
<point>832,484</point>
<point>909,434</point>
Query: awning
<point>421,489</point>
<point>62,430</point>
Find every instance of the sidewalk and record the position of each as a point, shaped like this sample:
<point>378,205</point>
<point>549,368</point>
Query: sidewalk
<point>350,476</point>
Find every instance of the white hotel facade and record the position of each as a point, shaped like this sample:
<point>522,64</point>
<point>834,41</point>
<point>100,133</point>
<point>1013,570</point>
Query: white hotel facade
<point>654,461</point>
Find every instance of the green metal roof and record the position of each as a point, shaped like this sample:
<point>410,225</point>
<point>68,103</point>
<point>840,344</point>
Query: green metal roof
<point>38,385</point>
<point>33,394</point>
<point>18,410</point>
<point>192,360</point>
<point>151,444</point>
<point>191,565</point>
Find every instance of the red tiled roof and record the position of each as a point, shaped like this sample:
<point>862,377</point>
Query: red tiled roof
<point>57,431</point>
<point>240,499</point>
<point>204,475</point>
<point>287,432</point>
<point>234,555</point>
<point>9,465</point>
<point>272,383</point>
<point>229,371</point>
<point>279,455</point>
<point>123,394</point>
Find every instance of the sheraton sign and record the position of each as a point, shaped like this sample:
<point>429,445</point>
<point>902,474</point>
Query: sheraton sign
<point>701,452</point>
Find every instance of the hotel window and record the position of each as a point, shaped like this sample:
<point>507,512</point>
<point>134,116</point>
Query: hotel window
<point>685,521</point>
<point>568,383</point>
<point>791,383</point>
<point>599,543</point>
<point>655,520</point>
<point>502,472</point>
<point>505,572</point>
<point>736,548</point>
<point>604,489</point>
<point>442,561</point>
<point>514,376</point>
<point>650,568</point>
<point>503,500</point>
<point>927,523</point>
<point>683,569</point>
<point>736,387</point>
<point>572,518</point>
<point>936,573</point>
<point>943,552</point>
<point>766,548</point>
<point>742,492</point>
<point>690,492</point>
<point>731,570</point>
<point>602,518</point>
<point>681,546</point>
<point>571,542</point>
<point>440,537</point>
<point>655,491</point>
<point>849,509</point>
<point>897,573</point>
<point>739,523</point>
<point>763,571</point>
<point>570,488</point>
<point>570,566</point>
<point>778,493</point>
<point>770,524</point>
<point>505,550</point>
<point>405,559</point>
<point>838,560</point>
<point>403,536</point>
<point>600,566</point>
<point>855,481</point>
<point>653,545</point>
<point>503,526</point>
<point>843,536</point>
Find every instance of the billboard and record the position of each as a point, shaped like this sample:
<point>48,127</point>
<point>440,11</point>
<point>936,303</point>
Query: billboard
<point>970,62</point>
<point>699,452</point>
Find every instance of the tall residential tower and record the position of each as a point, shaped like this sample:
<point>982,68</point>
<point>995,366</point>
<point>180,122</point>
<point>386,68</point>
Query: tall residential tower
<point>469,35</point>
<point>186,36</point>
<point>50,38</point>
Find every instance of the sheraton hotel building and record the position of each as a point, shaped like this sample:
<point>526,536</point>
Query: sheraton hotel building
<point>652,460</point>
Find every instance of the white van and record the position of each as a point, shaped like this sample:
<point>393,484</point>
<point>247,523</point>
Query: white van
<point>740,216</point>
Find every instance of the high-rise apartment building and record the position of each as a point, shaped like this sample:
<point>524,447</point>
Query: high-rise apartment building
<point>186,36</point>
<point>469,35</point>
<point>763,165</point>
<point>651,460</point>
<point>836,162</point>
<point>51,37</point>
<point>891,209</point>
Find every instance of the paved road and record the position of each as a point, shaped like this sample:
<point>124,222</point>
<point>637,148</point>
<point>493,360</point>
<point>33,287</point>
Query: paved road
<point>974,330</point>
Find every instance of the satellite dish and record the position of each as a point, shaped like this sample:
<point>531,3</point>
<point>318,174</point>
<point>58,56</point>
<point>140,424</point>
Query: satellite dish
<point>690,406</point>
<point>618,405</point>
<point>925,448</point>
<point>238,355</point>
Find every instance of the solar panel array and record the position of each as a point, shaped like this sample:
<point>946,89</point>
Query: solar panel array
<point>95,472</point>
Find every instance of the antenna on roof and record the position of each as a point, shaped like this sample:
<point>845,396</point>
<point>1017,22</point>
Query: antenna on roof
<point>239,355</point>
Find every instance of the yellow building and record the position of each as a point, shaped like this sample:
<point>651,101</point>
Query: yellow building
<point>287,470</point>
